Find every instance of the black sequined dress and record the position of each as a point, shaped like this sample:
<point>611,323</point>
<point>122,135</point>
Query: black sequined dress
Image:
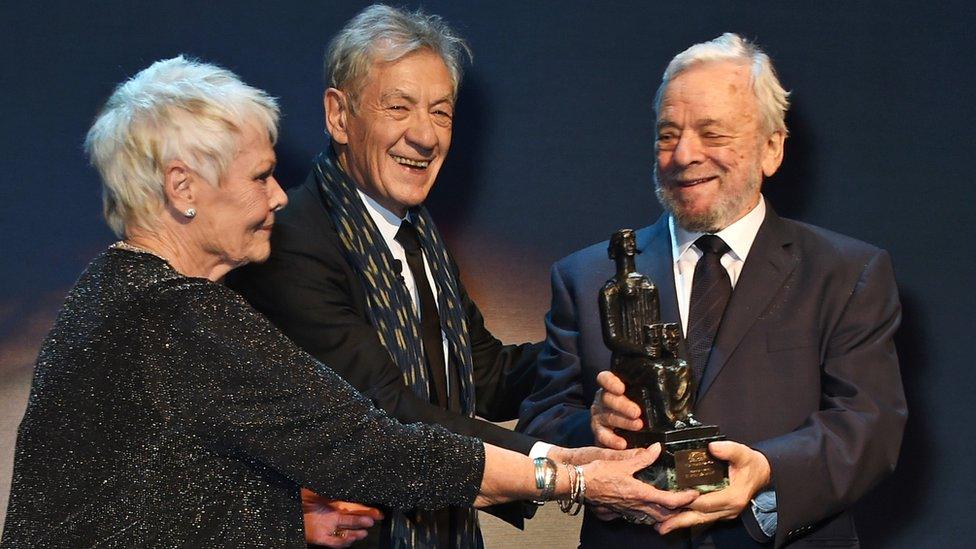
<point>165,412</point>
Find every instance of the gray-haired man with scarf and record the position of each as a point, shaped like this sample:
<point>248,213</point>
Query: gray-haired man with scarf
<point>360,277</point>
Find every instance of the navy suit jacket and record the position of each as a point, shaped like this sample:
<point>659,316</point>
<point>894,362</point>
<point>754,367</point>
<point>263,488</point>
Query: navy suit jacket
<point>803,369</point>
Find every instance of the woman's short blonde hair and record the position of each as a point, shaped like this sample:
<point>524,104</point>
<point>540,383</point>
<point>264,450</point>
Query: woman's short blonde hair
<point>176,109</point>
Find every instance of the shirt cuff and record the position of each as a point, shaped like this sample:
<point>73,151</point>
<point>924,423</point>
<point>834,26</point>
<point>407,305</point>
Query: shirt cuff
<point>539,450</point>
<point>764,509</point>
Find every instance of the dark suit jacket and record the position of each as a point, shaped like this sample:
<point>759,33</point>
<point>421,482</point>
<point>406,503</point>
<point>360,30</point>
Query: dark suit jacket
<point>310,292</point>
<point>803,369</point>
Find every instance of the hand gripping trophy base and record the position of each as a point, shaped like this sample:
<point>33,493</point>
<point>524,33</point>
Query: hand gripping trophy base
<point>685,461</point>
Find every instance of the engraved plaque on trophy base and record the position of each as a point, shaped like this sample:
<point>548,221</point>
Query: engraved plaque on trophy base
<point>685,461</point>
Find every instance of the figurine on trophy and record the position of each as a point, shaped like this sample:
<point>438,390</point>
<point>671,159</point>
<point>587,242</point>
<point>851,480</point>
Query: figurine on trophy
<point>648,356</point>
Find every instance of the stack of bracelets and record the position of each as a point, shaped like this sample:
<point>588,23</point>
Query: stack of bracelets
<point>545,481</point>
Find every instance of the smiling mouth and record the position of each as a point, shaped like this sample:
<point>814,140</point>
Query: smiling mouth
<point>692,182</point>
<point>411,163</point>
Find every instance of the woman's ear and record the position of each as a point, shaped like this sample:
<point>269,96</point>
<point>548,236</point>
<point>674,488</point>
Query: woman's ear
<point>177,185</point>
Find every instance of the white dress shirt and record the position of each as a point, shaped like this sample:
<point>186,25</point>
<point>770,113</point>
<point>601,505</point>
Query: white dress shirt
<point>739,236</point>
<point>388,224</point>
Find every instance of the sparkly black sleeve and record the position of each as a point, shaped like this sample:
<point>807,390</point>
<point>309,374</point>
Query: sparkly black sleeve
<point>227,377</point>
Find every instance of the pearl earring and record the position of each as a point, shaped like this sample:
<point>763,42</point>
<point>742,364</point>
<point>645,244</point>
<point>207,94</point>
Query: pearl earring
<point>190,213</point>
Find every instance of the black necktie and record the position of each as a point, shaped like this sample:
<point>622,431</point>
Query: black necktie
<point>430,321</point>
<point>710,292</point>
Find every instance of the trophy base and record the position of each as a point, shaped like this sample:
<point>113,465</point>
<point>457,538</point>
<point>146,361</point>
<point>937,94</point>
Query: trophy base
<point>685,461</point>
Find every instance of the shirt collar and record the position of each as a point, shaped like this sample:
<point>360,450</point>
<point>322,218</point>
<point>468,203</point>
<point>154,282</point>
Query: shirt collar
<point>739,235</point>
<point>386,221</point>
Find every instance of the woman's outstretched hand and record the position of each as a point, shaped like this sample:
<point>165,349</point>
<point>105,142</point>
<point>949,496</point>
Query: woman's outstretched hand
<point>612,490</point>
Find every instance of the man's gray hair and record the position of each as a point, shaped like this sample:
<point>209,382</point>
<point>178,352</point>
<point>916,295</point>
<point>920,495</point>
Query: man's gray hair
<point>176,109</point>
<point>383,33</point>
<point>772,98</point>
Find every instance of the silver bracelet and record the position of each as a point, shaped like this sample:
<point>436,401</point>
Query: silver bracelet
<point>574,503</point>
<point>545,478</point>
<point>580,495</point>
<point>566,505</point>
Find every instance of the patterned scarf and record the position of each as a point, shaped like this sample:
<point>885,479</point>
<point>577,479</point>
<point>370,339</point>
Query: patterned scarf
<point>392,313</point>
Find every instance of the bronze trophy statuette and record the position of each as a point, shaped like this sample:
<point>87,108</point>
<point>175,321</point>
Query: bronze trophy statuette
<point>648,356</point>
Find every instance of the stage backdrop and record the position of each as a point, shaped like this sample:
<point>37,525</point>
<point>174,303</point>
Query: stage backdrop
<point>553,151</point>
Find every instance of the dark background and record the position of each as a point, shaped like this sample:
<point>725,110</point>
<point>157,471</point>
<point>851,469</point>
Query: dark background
<point>553,150</point>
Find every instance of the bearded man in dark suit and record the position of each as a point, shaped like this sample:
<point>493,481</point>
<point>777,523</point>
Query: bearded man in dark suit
<point>789,328</point>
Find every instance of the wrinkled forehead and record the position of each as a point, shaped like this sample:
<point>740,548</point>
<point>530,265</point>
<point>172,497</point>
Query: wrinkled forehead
<point>254,147</point>
<point>710,89</point>
<point>419,70</point>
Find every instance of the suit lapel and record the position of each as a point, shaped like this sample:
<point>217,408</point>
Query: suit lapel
<point>654,260</point>
<point>769,263</point>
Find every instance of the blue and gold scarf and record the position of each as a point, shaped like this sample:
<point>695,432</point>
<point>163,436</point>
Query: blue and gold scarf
<point>391,312</point>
